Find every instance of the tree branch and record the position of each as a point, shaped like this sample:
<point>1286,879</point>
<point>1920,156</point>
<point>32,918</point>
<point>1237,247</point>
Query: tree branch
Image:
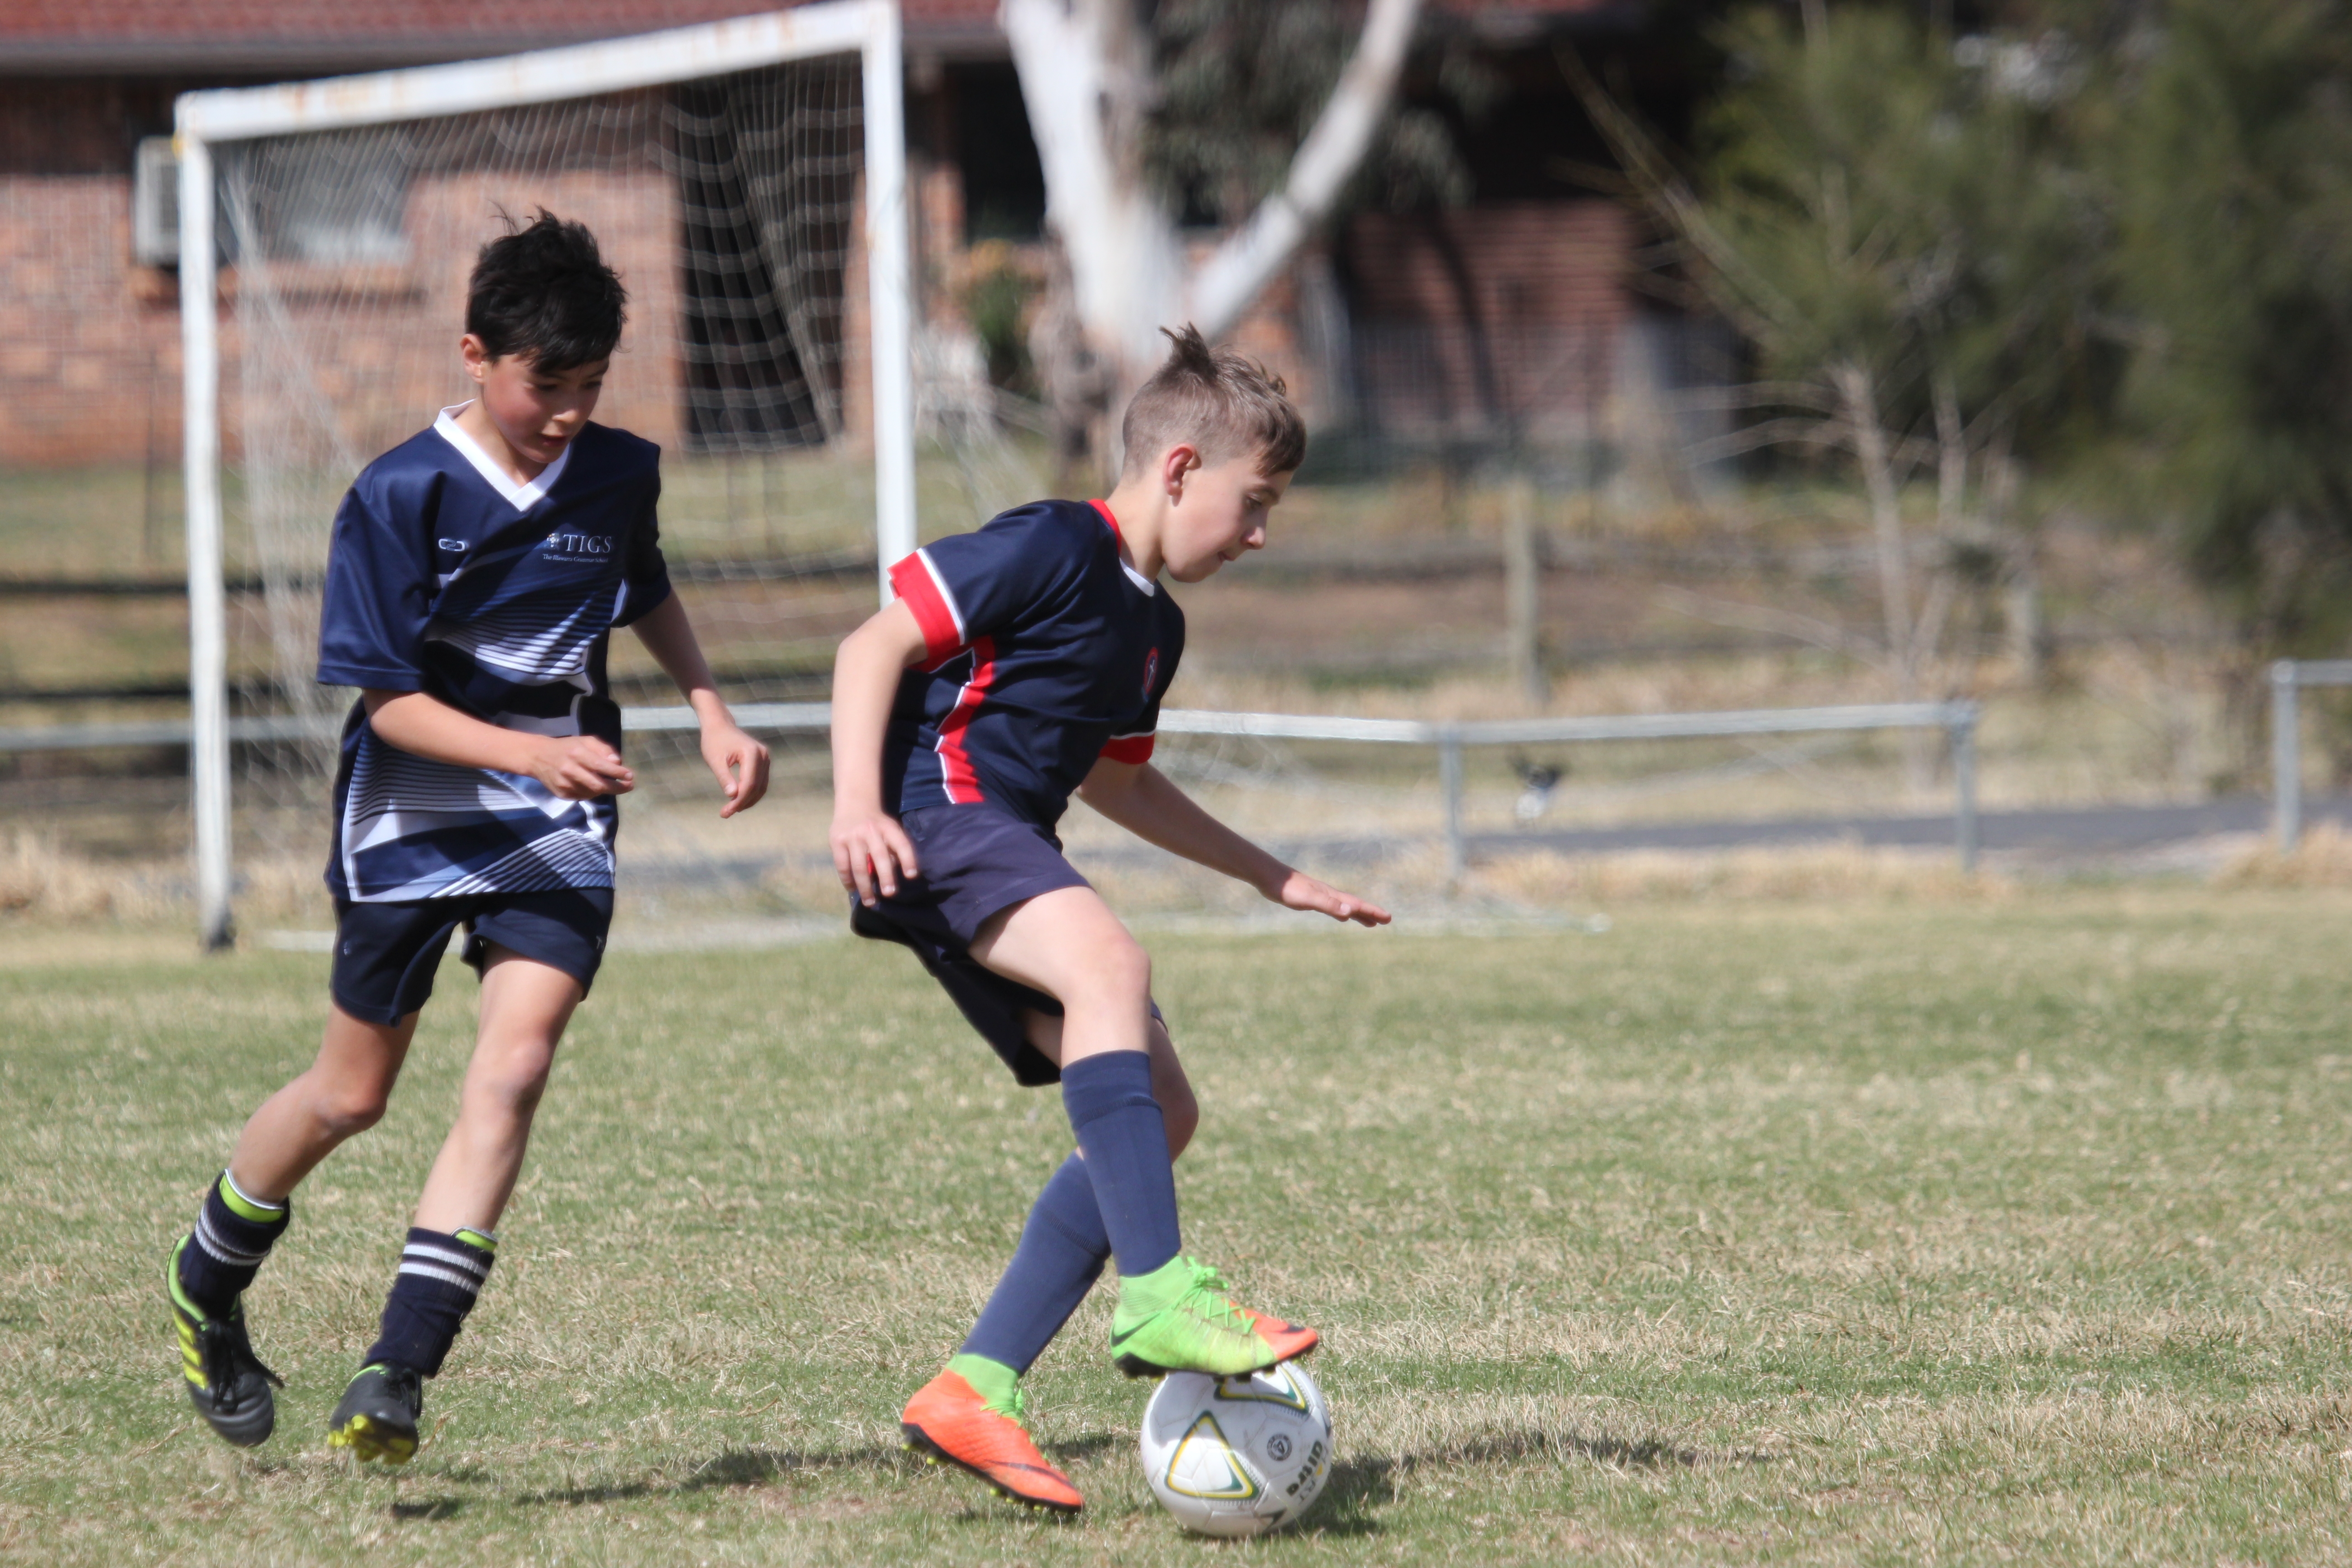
<point>1246,259</point>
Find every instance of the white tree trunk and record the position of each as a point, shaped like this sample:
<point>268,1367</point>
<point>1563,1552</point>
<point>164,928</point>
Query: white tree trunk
<point>1085,74</point>
<point>1858,406</point>
<point>1083,82</point>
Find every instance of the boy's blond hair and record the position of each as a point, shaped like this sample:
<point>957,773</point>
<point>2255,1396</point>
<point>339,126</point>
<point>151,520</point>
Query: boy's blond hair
<point>1215,399</point>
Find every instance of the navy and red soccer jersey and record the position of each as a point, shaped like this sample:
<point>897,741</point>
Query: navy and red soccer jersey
<point>1042,651</point>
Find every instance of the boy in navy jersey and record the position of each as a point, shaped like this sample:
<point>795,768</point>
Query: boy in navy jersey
<point>474,575</point>
<point>1018,665</point>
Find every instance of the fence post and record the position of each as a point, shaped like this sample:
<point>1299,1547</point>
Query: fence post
<point>1523,590</point>
<point>1449,779</point>
<point>2286,755</point>
<point>1964,785</point>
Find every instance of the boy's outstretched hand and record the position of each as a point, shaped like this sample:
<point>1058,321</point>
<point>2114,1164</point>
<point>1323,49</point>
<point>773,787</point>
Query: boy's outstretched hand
<point>739,763</point>
<point>1300,891</point>
<point>870,850</point>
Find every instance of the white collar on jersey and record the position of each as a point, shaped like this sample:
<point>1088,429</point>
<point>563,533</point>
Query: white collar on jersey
<point>522,498</point>
<point>1119,543</point>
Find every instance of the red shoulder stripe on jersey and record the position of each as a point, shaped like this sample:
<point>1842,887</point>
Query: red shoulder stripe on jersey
<point>1104,507</point>
<point>1134,750</point>
<point>913,581</point>
<point>956,771</point>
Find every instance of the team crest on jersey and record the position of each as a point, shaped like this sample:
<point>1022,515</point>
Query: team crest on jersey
<point>1151,672</point>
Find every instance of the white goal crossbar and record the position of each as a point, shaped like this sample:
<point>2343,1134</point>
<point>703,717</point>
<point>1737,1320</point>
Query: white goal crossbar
<point>868,28</point>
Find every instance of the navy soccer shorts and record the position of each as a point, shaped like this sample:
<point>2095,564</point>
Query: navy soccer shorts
<point>977,859</point>
<point>387,953</point>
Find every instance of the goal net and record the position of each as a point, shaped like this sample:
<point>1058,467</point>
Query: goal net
<point>749,191</point>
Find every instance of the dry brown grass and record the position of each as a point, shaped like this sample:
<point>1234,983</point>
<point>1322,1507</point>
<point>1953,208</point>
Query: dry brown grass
<point>2321,859</point>
<point>44,880</point>
<point>1821,871</point>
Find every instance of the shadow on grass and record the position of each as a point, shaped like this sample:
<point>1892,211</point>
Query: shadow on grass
<point>1362,1484</point>
<point>736,1467</point>
<point>430,1508</point>
<point>1088,1447</point>
<point>756,1467</point>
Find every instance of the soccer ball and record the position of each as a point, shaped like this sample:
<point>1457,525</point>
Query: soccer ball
<point>1237,1456</point>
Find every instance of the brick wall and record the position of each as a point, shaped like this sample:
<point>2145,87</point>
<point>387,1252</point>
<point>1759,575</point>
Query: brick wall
<point>1473,318</point>
<point>90,345</point>
<point>89,342</point>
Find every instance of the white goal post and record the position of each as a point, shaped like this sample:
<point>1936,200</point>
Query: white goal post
<point>868,29</point>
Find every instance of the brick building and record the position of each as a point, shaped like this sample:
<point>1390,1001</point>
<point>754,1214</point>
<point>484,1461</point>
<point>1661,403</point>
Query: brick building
<point>1512,309</point>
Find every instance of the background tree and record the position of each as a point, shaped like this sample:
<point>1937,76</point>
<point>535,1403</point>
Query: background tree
<point>2230,159</point>
<point>1122,151</point>
<point>1898,227</point>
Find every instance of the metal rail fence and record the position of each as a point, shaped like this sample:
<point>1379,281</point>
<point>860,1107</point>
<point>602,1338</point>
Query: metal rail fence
<point>2288,677</point>
<point>1448,738</point>
<point>1957,719</point>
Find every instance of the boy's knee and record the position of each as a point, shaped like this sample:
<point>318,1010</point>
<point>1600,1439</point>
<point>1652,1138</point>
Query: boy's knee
<point>347,1109</point>
<point>518,1096</point>
<point>514,1082</point>
<point>1124,971</point>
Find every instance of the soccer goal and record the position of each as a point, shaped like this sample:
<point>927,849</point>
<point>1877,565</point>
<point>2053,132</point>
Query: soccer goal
<point>746,178</point>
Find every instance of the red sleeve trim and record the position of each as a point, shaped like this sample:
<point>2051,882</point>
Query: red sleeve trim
<point>911,581</point>
<point>1133,750</point>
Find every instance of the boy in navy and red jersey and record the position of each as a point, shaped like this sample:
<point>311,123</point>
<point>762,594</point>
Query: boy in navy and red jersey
<point>1019,665</point>
<point>474,575</point>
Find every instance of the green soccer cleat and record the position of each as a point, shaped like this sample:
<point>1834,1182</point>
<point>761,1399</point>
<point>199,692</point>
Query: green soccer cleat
<point>1177,1318</point>
<point>377,1417</point>
<point>227,1381</point>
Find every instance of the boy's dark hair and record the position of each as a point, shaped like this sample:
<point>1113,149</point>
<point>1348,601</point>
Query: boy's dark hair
<point>544,291</point>
<point>1217,400</point>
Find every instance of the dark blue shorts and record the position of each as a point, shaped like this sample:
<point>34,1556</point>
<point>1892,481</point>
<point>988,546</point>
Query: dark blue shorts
<point>387,953</point>
<point>977,860</point>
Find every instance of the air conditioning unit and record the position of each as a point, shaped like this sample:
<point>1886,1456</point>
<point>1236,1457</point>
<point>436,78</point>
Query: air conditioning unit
<point>155,202</point>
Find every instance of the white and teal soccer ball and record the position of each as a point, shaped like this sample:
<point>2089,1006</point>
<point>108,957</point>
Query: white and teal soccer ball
<point>1237,1456</point>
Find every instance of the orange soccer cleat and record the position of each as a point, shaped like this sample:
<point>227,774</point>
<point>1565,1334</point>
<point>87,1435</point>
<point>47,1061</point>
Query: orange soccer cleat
<point>1290,1341</point>
<point>949,1420</point>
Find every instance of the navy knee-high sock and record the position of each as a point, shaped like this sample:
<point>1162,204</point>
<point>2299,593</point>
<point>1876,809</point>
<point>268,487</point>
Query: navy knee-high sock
<point>441,1274</point>
<point>1125,1140</point>
<point>233,1237</point>
<point>1062,1252</point>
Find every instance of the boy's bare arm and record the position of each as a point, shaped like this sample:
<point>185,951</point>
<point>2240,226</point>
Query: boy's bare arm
<point>576,767</point>
<point>1147,802</point>
<point>735,759</point>
<point>870,850</point>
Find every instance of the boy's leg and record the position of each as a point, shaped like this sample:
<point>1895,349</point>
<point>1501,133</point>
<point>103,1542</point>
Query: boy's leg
<point>343,1092</point>
<point>1065,1246</point>
<point>1068,944</point>
<point>972,1415</point>
<point>247,1208</point>
<point>1173,1315</point>
<point>525,1005</point>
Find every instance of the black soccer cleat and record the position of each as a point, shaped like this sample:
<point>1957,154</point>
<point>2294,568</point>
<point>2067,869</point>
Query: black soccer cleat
<point>227,1381</point>
<point>377,1417</point>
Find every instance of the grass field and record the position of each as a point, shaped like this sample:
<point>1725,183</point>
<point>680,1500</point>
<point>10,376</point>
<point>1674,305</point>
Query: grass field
<point>1882,1233</point>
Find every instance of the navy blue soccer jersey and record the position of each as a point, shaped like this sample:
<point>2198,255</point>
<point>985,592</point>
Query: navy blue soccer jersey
<point>447,577</point>
<point>1043,651</point>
